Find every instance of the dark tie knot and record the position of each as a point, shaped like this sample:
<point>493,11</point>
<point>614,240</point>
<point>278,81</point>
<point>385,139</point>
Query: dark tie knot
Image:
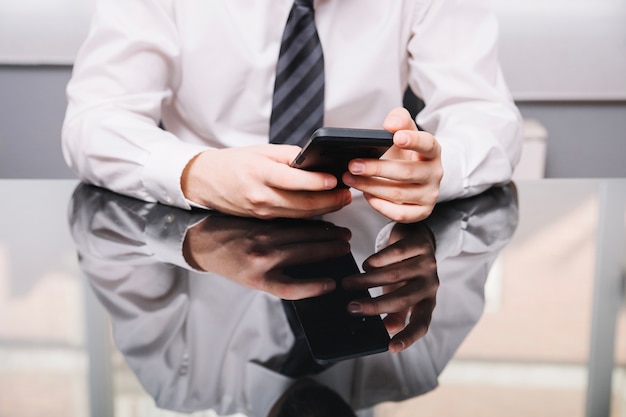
<point>305,3</point>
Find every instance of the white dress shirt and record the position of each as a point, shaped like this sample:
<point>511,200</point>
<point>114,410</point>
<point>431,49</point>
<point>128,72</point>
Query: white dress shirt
<point>206,70</point>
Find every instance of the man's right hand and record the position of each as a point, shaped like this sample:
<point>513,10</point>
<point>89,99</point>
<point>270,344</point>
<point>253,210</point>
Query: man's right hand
<point>257,181</point>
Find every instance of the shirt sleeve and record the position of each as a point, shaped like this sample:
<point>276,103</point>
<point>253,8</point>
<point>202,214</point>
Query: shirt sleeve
<point>454,68</point>
<point>127,68</point>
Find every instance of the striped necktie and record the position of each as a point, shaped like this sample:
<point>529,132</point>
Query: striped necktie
<point>298,101</point>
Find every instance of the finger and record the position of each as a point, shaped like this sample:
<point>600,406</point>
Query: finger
<point>406,270</point>
<point>399,300</point>
<point>395,322</point>
<point>375,278</point>
<point>288,178</point>
<point>417,327</point>
<point>407,337</point>
<point>312,252</point>
<point>310,204</point>
<point>401,213</point>
<point>269,202</point>
<point>408,171</point>
<point>287,288</point>
<point>423,143</point>
<point>384,304</point>
<point>283,176</point>
<point>394,191</point>
<point>287,232</point>
<point>398,252</point>
<point>399,119</point>
<point>414,169</point>
<point>282,153</point>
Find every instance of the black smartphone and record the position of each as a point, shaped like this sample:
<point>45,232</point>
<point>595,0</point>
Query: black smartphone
<point>330,149</point>
<point>333,334</point>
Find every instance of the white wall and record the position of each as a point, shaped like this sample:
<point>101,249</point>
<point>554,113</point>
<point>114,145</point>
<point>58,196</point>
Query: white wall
<point>564,49</point>
<point>550,49</point>
<point>42,31</point>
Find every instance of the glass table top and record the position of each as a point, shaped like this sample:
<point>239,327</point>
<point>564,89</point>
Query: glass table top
<point>511,303</point>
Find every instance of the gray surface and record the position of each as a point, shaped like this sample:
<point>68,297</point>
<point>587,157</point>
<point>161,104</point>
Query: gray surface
<point>32,106</point>
<point>586,139</point>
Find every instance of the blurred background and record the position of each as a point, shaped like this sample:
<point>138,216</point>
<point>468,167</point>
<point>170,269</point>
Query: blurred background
<point>565,61</point>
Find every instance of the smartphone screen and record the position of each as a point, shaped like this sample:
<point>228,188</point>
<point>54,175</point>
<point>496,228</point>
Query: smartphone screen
<point>330,149</point>
<point>332,333</point>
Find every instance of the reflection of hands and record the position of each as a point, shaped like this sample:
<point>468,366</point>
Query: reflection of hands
<point>253,252</point>
<point>407,272</point>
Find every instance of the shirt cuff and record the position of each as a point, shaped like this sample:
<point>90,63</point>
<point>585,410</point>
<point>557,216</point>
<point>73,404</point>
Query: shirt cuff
<point>453,183</point>
<point>382,239</point>
<point>165,236</point>
<point>163,169</point>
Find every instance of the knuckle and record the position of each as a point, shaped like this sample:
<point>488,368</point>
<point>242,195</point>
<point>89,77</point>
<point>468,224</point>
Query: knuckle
<point>258,204</point>
<point>256,197</point>
<point>405,301</point>
<point>397,194</point>
<point>438,172</point>
<point>428,143</point>
<point>374,306</point>
<point>309,202</point>
<point>401,217</point>
<point>407,171</point>
<point>426,211</point>
<point>393,276</point>
<point>436,175</point>
<point>434,195</point>
<point>372,169</point>
<point>430,264</point>
<point>434,287</point>
<point>263,213</point>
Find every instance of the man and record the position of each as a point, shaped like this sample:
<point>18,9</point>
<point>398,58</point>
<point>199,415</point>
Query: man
<point>206,71</point>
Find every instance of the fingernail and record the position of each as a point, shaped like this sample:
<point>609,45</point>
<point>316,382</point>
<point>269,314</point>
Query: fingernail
<point>402,139</point>
<point>357,167</point>
<point>329,285</point>
<point>355,308</point>
<point>348,179</point>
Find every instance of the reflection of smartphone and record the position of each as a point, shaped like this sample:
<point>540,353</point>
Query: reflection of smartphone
<point>330,149</point>
<point>331,332</point>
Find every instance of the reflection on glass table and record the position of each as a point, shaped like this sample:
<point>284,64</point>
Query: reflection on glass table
<point>550,340</point>
<point>195,300</point>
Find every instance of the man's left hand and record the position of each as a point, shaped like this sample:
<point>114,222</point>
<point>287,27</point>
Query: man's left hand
<point>404,184</point>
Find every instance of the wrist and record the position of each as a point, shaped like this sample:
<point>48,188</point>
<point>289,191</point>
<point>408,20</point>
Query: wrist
<point>193,180</point>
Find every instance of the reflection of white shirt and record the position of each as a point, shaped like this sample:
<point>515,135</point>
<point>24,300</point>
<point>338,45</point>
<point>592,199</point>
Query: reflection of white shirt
<point>198,341</point>
<point>206,68</point>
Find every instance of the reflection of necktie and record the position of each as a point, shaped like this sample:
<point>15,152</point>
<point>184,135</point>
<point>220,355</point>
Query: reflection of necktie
<point>298,102</point>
